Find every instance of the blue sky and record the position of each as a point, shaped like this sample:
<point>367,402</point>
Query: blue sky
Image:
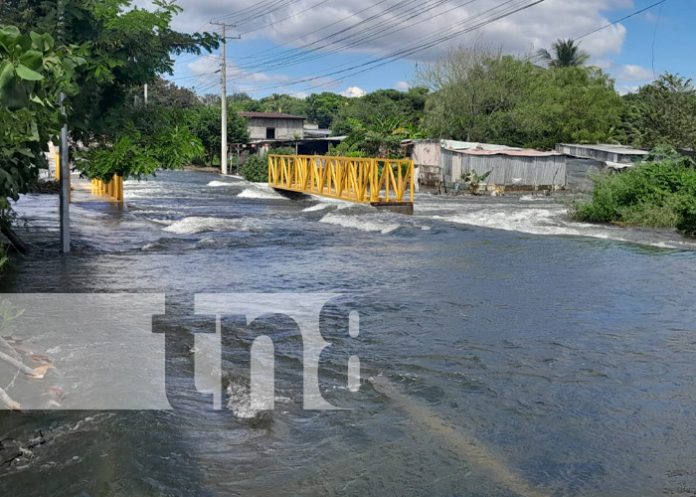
<point>339,34</point>
<point>670,28</point>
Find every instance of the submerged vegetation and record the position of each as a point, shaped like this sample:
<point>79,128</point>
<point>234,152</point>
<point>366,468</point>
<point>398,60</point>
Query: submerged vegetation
<point>659,193</point>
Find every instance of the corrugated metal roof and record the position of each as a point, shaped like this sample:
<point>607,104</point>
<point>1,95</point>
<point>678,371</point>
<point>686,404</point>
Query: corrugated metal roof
<point>270,115</point>
<point>608,147</point>
<point>472,148</point>
<point>458,145</point>
<point>521,152</point>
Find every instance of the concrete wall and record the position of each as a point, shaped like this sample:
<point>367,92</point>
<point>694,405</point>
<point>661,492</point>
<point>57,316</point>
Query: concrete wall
<point>285,129</point>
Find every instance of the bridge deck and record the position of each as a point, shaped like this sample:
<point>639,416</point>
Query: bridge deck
<point>361,180</point>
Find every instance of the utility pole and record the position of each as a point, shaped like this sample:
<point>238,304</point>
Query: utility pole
<point>64,156</point>
<point>145,93</point>
<point>223,92</point>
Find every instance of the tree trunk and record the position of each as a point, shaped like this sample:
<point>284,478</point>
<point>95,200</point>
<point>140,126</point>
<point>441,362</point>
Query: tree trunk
<point>14,240</point>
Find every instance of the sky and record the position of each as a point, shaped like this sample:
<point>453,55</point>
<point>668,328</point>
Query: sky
<point>356,46</point>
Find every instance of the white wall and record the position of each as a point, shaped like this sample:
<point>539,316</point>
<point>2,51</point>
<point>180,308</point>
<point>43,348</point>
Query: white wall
<point>285,129</point>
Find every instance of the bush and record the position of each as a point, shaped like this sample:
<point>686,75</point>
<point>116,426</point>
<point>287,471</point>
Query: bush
<point>657,194</point>
<point>282,151</point>
<point>255,169</point>
<point>687,216</point>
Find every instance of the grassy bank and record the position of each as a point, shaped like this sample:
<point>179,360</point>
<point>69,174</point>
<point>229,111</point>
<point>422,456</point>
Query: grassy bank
<point>659,194</point>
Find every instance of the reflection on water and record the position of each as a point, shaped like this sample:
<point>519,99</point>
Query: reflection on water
<point>562,351</point>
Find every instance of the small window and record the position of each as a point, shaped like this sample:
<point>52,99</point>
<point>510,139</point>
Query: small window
<point>270,133</point>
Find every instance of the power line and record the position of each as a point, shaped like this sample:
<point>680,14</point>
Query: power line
<point>274,23</point>
<point>240,12</point>
<point>339,21</point>
<point>433,40</point>
<point>312,47</point>
<point>654,41</point>
<point>371,34</point>
<point>612,23</point>
<point>258,10</point>
<point>370,65</point>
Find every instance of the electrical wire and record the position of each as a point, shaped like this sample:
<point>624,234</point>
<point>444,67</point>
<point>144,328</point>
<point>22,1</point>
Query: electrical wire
<point>372,35</point>
<point>432,41</point>
<point>612,23</point>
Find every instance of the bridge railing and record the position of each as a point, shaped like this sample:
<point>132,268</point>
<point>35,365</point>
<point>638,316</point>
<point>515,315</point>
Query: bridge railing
<point>364,180</point>
<point>112,189</point>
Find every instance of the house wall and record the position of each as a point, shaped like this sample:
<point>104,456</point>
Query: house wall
<point>510,171</point>
<point>286,129</point>
<point>426,157</point>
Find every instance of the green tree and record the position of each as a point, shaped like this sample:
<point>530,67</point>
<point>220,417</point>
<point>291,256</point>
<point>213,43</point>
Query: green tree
<point>406,108</point>
<point>662,113</point>
<point>239,102</point>
<point>127,47</point>
<point>377,137</point>
<point>167,94</point>
<point>564,53</point>
<point>33,72</point>
<point>473,93</point>
<point>324,107</point>
<point>571,104</point>
<point>206,125</point>
<point>283,103</point>
<point>501,99</point>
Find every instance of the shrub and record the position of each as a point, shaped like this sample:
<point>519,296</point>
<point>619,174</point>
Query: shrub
<point>282,151</point>
<point>255,169</point>
<point>657,194</point>
<point>687,216</point>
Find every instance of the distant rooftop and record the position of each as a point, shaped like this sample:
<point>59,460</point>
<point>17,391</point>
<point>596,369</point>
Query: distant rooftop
<point>270,115</point>
<point>316,132</point>
<point>609,148</point>
<point>474,148</point>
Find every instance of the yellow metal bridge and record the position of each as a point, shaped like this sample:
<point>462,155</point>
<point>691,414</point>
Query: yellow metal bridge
<point>380,182</point>
<point>113,190</point>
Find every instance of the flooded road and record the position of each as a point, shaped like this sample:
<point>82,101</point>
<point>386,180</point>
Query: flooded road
<point>516,353</point>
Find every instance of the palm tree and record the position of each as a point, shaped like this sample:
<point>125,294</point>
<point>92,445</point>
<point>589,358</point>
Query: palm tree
<point>566,53</point>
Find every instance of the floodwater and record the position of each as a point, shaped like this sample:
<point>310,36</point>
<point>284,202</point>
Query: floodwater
<point>513,352</point>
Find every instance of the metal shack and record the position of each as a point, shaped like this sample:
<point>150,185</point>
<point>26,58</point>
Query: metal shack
<point>511,168</point>
<point>584,161</point>
<point>608,153</point>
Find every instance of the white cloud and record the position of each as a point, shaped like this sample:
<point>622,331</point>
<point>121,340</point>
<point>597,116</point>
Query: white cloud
<point>353,92</point>
<point>369,29</point>
<point>632,72</point>
<point>402,86</point>
<point>205,77</point>
<point>388,27</point>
